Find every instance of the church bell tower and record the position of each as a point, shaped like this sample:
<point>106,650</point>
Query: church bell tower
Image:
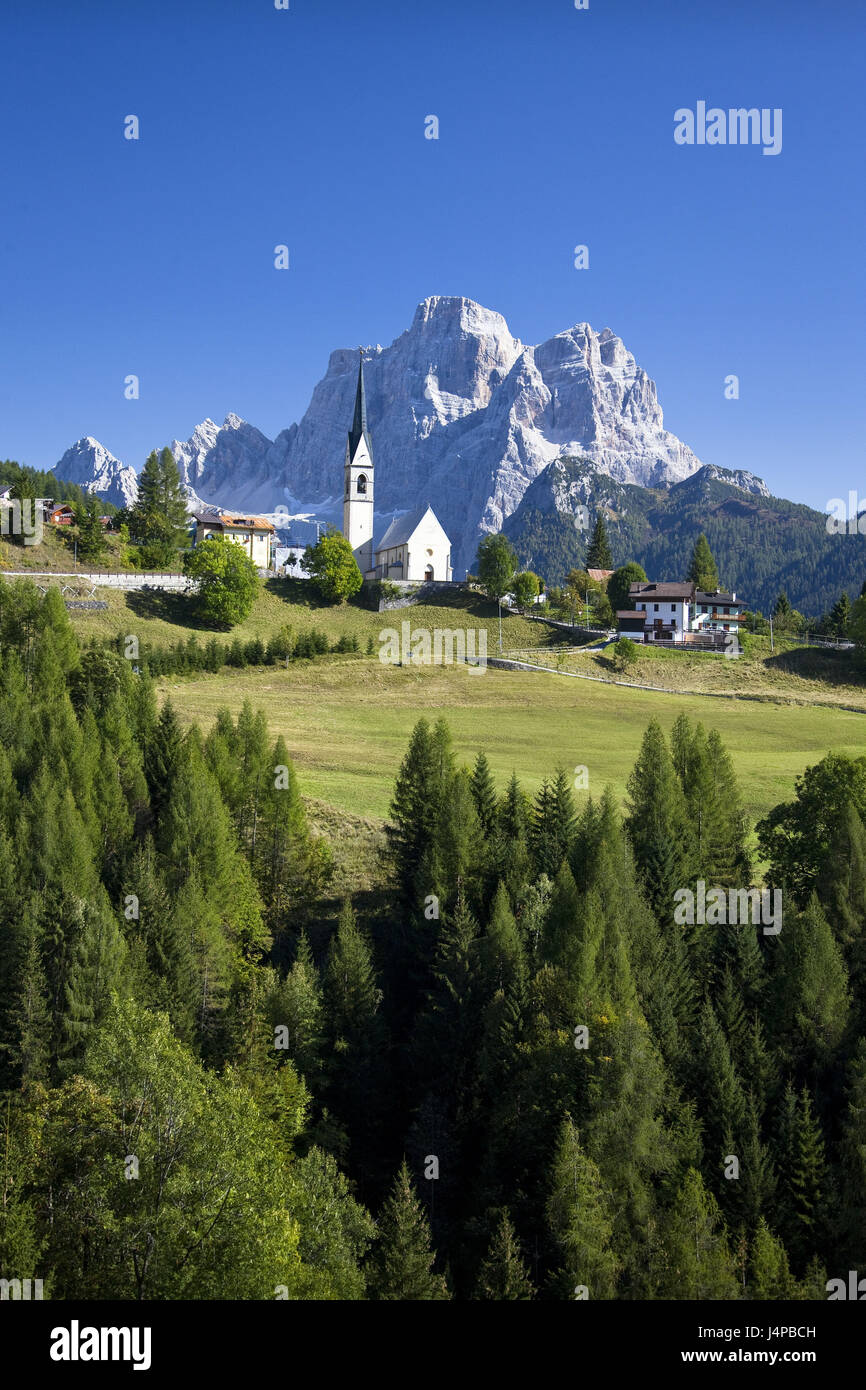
<point>358,485</point>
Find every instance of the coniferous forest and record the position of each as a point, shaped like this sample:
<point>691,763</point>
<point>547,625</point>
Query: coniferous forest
<point>513,1076</point>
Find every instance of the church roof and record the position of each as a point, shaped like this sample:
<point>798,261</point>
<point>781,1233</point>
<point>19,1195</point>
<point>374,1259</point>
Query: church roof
<point>359,422</point>
<point>403,527</point>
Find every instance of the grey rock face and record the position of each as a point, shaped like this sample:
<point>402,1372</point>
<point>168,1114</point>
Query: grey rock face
<point>89,464</point>
<point>462,415</point>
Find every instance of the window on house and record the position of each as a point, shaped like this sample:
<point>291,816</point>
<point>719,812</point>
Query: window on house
<point>362,482</point>
<point>656,607</point>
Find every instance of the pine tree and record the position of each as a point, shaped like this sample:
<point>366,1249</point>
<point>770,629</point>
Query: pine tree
<point>801,1162</point>
<point>354,1039</point>
<point>297,1005</point>
<point>840,616</point>
<point>164,758</point>
<point>447,1026</point>
<point>698,1260</point>
<point>658,824</point>
<point>702,571</point>
<point>717,1089</point>
<point>579,1221</point>
<point>561,941</point>
<point>554,824</point>
<point>402,1261</point>
<point>484,794</point>
<point>407,831</point>
<point>159,518</point>
<point>809,987</point>
<point>769,1273</point>
<point>598,554</point>
<point>504,966</point>
<point>503,1275</point>
<point>851,1216</point>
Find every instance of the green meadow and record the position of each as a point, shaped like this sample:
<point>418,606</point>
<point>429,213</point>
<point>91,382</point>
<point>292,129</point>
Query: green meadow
<point>347,721</point>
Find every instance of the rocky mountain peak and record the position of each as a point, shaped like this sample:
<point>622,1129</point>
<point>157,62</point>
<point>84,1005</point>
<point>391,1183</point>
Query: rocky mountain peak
<point>89,464</point>
<point>461,413</point>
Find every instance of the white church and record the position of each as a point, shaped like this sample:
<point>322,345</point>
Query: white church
<point>414,548</point>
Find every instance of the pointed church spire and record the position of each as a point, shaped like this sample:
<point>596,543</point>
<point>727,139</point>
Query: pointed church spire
<point>359,423</point>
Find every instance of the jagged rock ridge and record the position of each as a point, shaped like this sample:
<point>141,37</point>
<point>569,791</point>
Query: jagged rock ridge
<point>463,415</point>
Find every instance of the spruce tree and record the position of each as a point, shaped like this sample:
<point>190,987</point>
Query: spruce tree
<point>297,1005</point>
<point>698,1263</point>
<point>769,1273</point>
<point>164,757</point>
<point>402,1261</point>
<point>809,988</point>
<point>579,1221</point>
<point>354,1039</point>
<point>842,891</point>
<point>159,519</point>
<point>598,554</point>
<point>717,1089</point>
<point>503,1275</point>
<point>658,824</point>
<point>801,1206</point>
<point>484,794</point>
<point>408,829</point>
<point>850,1217</point>
<point>447,1025</point>
<point>504,966</point>
<point>702,571</point>
<point>840,616</point>
<point>561,941</point>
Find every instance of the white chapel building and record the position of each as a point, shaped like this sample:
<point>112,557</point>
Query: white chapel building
<point>414,547</point>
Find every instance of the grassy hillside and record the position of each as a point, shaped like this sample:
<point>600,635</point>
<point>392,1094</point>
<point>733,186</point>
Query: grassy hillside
<point>791,674</point>
<point>347,722</point>
<point>166,618</point>
<point>55,553</point>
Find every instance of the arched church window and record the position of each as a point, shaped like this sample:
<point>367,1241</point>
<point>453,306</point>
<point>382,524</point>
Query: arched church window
<point>362,482</point>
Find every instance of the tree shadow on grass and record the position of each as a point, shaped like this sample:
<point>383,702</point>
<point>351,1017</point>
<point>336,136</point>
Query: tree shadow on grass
<point>301,593</point>
<point>820,664</point>
<point>177,609</point>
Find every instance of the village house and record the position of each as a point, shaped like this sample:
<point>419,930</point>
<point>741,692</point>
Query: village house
<point>254,533</point>
<point>679,614</point>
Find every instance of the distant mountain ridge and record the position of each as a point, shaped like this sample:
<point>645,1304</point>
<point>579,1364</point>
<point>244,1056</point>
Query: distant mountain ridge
<point>761,543</point>
<point>495,434</point>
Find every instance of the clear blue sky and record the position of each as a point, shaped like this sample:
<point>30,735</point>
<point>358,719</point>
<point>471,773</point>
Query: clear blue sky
<point>306,127</point>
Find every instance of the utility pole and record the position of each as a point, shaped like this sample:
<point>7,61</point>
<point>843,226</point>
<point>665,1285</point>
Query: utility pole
<point>500,622</point>
<point>772,647</point>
